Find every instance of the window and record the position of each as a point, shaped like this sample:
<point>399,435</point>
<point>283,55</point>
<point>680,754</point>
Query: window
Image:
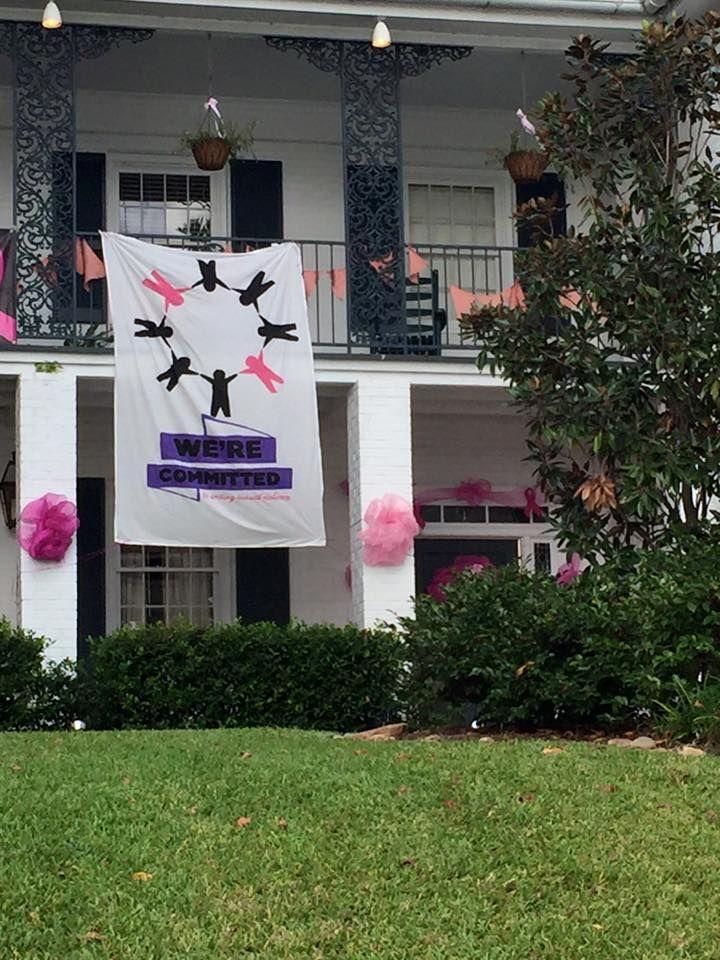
<point>451,214</point>
<point>172,205</point>
<point>455,513</point>
<point>164,583</point>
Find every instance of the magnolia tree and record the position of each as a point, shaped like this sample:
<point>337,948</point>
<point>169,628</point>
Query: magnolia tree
<point>615,357</point>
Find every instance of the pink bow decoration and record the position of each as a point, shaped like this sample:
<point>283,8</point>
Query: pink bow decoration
<point>446,575</point>
<point>389,532</point>
<point>527,125</point>
<point>212,104</point>
<point>474,492</point>
<point>47,526</point>
<point>569,571</point>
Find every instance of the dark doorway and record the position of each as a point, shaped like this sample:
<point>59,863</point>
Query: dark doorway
<point>90,561</point>
<point>263,584</point>
<point>432,555</point>
<point>256,189</point>
<point>548,186</point>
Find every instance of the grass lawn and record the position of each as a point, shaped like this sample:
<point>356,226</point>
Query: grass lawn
<point>124,845</point>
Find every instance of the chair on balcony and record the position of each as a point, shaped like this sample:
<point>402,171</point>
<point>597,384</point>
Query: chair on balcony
<point>425,321</point>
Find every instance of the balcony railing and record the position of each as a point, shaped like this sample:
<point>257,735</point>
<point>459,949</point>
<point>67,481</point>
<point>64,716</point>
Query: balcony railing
<point>73,316</point>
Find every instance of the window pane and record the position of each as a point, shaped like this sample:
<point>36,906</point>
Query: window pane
<point>178,591</point>
<point>129,186</point>
<point>452,514</point>
<point>131,556</point>
<point>541,552</point>
<point>155,589</point>
<point>178,557</point>
<point>199,188</point>
<point>506,515</point>
<point>131,589</point>
<point>153,186</point>
<point>176,186</point>
<point>202,557</point>
<point>154,556</point>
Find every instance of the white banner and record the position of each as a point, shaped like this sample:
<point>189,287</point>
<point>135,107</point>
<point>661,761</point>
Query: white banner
<point>216,424</point>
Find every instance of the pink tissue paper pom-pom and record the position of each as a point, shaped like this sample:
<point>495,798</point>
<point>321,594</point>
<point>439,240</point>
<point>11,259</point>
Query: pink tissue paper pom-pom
<point>47,526</point>
<point>390,530</point>
<point>446,575</point>
<point>569,571</point>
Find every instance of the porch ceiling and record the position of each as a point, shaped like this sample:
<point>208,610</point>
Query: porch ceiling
<point>513,23</point>
<point>244,68</point>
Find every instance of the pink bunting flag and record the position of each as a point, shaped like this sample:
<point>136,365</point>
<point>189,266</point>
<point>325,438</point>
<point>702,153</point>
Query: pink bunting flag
<point>416,264</point>
<point>338,280</point>
<point>87,263</point>
<point>462,300</point>
<point>310,280</point>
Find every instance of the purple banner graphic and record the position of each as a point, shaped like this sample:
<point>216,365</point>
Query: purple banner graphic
<point>162,476</point>
<point>200,448</point>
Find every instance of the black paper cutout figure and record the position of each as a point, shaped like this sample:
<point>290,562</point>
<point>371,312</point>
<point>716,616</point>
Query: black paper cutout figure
<point>179,367</point>
<point>209,278</point>
<point>258,286</point>
<point>152,329</point>
<point>276,331</point>
<point>220,396</point>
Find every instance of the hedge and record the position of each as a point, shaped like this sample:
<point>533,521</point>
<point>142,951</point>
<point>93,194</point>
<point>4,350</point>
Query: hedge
<point>242,674</point>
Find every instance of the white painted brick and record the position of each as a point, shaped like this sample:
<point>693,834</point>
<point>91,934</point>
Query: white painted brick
<point>46,443</point>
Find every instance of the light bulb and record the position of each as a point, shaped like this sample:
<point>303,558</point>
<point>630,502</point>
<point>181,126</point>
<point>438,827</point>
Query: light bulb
<point>381,36</point>
<point>51,18</point>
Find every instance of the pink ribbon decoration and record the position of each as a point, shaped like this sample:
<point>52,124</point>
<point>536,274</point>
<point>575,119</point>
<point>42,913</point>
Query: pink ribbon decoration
<point>416,264</point>
<point>8,327</point>
<point>87,263</point>
<point>477,492</point>
<point>389,532</point>
<point>446,575</point>
<point>47,526</point>
<point>212,104</point>
<point>532,507</point>
<point>382,263</point>
<point>173,296</point>
<point>258,368</point>
<point>569,571</point>
<point>527,125</point>
<point>310,281</point>
<point>338,281</point>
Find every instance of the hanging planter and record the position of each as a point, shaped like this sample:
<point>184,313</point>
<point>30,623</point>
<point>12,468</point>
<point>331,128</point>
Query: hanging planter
<point>211,153</point>
<point>215,141</point>
<point>526,166</point>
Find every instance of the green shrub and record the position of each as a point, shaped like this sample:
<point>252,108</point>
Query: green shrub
<point>34,695</point>
<point>241,674</point>
<point>694,712</point>
<point>512,648</point>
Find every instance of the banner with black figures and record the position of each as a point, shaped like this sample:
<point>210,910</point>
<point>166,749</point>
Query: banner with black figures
<point>216,423</point>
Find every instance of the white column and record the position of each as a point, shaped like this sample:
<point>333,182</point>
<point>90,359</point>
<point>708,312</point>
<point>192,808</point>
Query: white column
<point>46,462</point>
<point>379,462</point>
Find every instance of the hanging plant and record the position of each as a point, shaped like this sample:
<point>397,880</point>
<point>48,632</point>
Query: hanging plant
<point>215,141</point>
<point>525,164</point>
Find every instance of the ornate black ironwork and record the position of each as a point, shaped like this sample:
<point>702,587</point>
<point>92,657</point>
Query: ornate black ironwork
<point>372,154</point>
<point>44,165</point>
<point>323,54</point>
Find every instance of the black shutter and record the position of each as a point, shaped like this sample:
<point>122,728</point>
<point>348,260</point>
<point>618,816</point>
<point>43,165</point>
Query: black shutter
<point>549,185</point>
<point>263,584</point>
<point>91,561</point>
<point>89,192</point>
<point>257,199</point>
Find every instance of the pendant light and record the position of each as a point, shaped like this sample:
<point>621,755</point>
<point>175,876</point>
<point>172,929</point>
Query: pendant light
<point>51,18</point>
<point>381,38</point>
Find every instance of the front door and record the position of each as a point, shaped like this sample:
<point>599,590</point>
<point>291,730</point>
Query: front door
<point>432,555</point>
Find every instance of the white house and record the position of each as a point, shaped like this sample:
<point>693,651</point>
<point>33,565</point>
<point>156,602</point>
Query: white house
<point>353,146</point>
